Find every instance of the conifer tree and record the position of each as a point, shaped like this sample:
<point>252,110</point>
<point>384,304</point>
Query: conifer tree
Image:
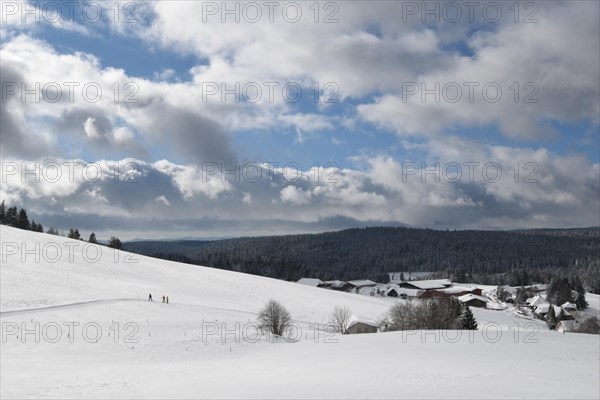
<point>22,220</point>
<point>551,319</point>
<point>92,238</point>
<point>468,320</point>
<point>2,213</point>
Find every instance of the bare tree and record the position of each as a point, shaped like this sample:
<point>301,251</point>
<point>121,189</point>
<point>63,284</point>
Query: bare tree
<point>274,317</point>
<point>440,313</point>
<point>340,319</point>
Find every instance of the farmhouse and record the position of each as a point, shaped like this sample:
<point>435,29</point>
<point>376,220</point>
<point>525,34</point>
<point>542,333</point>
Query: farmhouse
<point>453,291</point>
<point>312,282</point>
<point>474,300</point>
<point>567,326</point>
<point>396,291</point>
<point>362,325</point>
<point>569,309</point>
<point>426,285</point>
<point>338,285</point>
<point>535,301</point>
<point>357,285</point>
<point>542,310</point>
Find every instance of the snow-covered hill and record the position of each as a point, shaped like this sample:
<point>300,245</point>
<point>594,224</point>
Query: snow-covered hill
<point>92,333</point>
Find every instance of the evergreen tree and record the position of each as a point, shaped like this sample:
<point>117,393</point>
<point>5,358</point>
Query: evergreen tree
<point>2,213</point>
<point>35,227</point>
<point>74,234</point>
<point>92,238</point>
<point>11,216</point>
<point>559,291</point>
<point>468,320</point>
<point>22,220</point>
<point>114,242</point>
<point>580,300</point>
<point>52,231</point>
<point>551,319</point>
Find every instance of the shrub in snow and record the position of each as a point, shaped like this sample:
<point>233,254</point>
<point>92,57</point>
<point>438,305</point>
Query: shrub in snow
<point>274,318</point>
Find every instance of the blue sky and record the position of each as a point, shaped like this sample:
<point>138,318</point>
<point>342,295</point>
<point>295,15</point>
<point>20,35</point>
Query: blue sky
<point>371,56</point>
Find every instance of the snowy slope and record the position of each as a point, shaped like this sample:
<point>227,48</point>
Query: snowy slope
<point>204,343</point>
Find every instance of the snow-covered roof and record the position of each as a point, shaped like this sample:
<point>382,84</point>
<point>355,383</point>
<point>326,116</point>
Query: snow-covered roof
<point>311,282</point>
<point>362,320</point>
<point>543,309</point>
<point>336,283</point>
<point>509,289</point>
<point>536,300</point>
<point>567,325</point>
<point>362,282</point>
<point>407,291</point>
<point>430,284</point>
<point>468,297</point>
<point>569,306</point>
<point>456,289</point>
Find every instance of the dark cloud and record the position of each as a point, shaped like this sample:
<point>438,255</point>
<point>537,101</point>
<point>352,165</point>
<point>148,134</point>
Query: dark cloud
<point>190,135</point>
<point>15,139</point>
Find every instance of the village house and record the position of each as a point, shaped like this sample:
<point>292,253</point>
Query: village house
<point>403,293</point>
<point>567,326</point>
<point>474,300</point>
<point>427,284</point>
<point>312,282</point>
<point>570,309</point>
<point>357,285</point>
<point>362,325</point>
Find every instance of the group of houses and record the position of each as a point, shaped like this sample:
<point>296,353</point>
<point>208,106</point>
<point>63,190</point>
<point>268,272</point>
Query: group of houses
<point>540,307</point>
<point>423,289</point>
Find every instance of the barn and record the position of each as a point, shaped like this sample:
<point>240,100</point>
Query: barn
<point>474,300</point>
<point>362,325</point>
<point>567,326</point>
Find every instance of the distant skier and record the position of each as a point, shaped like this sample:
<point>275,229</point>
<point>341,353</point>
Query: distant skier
<point>163,298</point>
<point>150,297</point>
<point>167,299</point>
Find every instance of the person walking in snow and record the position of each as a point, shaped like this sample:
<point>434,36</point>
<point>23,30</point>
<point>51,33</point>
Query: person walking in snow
<point>150,297</point>
<point>167,299</point>
<point>163,299</point>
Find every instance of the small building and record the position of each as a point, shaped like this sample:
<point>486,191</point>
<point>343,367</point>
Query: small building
<point>312,282</point>
<point>474,300</point>
<point>569,309</point>
<point>567,326</point>
<point>338,285</point>
<point>427,284</point>
<point>536,301</point>
<point>454,291</point>
<point>356,285</point>
<point>403,293</point>
<point>362,325</point>
<point>542,310</point>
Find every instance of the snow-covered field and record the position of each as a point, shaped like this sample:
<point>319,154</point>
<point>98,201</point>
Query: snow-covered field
<point>114,343</point>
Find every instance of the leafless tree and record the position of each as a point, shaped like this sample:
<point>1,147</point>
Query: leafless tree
<point>274,318</point>
<point>340,319</point>
<point>441,313</point>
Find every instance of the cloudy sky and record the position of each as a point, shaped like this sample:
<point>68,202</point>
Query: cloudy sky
<point>210,119</point>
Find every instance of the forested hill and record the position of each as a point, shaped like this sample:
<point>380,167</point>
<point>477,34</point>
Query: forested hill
<point>372,252</point>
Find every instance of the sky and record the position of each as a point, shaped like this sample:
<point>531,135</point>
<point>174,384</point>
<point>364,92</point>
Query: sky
<point>217,119</point>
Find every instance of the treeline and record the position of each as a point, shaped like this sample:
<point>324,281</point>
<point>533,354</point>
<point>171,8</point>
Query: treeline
<point>18,218</point>
<point>487,257</point>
